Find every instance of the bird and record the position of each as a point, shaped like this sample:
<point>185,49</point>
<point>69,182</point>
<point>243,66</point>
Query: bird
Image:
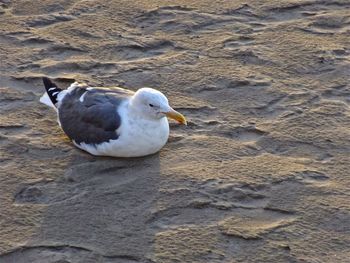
<point>112,121</point>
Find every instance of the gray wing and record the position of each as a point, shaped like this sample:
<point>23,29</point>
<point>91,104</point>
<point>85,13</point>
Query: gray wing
<point>95,119</point>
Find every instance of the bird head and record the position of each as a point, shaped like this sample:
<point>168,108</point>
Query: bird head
<point>152,103</point>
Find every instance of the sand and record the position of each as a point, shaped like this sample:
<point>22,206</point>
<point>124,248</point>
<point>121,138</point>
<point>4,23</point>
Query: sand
<point>260,174</point>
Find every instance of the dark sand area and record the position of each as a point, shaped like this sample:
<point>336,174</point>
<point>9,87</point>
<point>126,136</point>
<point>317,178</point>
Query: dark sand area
<point>260,174</point>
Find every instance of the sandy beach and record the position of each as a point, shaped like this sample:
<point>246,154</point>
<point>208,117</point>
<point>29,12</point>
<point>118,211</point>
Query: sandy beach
<point>261,172</point>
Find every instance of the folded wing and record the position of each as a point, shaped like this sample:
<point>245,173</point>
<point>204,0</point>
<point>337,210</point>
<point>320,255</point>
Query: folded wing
<point>90,115</point>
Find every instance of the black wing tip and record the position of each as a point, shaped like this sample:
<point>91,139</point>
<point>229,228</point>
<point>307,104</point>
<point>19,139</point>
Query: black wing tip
<point>51,89</point>
<point>48,83</point>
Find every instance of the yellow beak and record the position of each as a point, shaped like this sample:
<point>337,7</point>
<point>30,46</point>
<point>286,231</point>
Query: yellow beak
<point>173,114</point>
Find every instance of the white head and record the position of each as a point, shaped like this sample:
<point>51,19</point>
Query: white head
<point>151,103</point>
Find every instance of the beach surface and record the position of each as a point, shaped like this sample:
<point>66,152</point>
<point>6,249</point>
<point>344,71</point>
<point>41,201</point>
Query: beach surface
<point>261,172</point>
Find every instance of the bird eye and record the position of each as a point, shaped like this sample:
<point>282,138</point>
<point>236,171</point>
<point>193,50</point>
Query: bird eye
<point>151,105</point>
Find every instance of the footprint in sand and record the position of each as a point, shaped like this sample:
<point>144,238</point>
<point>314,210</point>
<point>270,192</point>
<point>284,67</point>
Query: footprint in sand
<point>254,224</point>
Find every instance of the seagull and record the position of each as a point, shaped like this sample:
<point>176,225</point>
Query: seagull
<point>112,121</point>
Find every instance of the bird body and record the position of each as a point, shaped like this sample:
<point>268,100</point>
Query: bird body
<point>112,121</point>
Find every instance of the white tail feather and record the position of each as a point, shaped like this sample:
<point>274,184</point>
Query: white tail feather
<point>45,99</point>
